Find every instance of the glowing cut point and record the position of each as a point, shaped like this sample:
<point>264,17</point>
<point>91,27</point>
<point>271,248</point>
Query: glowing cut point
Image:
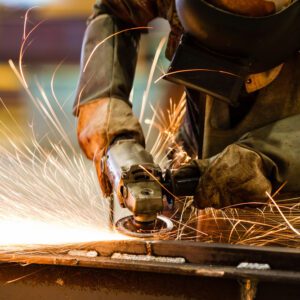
<point>30,232</point>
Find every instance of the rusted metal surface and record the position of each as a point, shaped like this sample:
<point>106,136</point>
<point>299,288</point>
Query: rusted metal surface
<point>61,282</point>
<point>206,271</point>
<point>209,260</point>
<point>197,270</point>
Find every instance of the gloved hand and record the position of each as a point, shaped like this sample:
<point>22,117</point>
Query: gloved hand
<point>236,175</point>
<point>99,123</point>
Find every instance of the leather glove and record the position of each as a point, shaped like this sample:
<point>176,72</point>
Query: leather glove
<point>234,176</point>
<point>99,123</point>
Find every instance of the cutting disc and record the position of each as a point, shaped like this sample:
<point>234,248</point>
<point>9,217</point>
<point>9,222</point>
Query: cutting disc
<point>130,227</point>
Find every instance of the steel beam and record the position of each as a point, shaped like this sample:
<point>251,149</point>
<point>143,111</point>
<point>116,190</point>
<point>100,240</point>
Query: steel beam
<point>230,271</point>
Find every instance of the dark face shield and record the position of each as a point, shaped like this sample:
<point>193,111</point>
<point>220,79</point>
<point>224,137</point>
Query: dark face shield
<point>219,49</point>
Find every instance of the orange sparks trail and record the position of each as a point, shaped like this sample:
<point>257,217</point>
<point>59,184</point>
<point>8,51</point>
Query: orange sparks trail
<point>48,195</point>
<point>196,70</point>
<point>51,196</point>
<point>109,37</point>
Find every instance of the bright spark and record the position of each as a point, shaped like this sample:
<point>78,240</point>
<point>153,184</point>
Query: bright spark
<point>196,70</point>
<point>109,37</point>
<point>34,232</point>
<point>48,195</point>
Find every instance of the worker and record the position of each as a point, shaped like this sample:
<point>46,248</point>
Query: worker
<point>242,151</point>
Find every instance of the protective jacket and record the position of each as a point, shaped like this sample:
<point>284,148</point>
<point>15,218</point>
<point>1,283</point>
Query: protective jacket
<point>267,121</point>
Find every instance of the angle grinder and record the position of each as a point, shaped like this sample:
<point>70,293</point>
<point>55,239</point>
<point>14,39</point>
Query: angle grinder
<point>139,186</point>
<point>136,182</point>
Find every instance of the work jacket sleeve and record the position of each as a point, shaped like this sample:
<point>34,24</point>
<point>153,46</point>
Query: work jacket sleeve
<point>109,51</point>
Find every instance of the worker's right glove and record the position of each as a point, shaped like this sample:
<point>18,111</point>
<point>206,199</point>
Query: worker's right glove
<point>235,176</point>
<point>99,123</point>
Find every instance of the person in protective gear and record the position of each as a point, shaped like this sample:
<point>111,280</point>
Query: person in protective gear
<point>243,150</point>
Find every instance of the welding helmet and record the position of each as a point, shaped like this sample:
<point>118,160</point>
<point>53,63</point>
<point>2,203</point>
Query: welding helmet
<point>220,49</point>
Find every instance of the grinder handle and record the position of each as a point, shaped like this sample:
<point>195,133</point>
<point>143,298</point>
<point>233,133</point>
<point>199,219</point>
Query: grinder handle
<point>180,187</point>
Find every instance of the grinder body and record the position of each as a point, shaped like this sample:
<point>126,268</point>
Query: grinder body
<point>137,182</point>
<point>135,179</point>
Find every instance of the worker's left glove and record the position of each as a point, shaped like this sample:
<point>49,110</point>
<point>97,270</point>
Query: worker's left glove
<point>99,123</point>
<point>236,175</point>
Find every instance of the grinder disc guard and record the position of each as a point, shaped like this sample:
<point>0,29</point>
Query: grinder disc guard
<point>130,227</point>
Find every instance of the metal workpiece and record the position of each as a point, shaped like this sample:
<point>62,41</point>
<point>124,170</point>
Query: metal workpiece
<point>234,261</point>
<point>37,282</point>
<point>152,270</point>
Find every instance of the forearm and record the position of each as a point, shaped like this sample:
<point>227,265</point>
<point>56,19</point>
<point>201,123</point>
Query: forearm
<point>278,145</point>
<point>106,70</point>
<point>109,51</point>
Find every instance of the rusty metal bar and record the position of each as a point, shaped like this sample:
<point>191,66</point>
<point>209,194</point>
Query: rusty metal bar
<point>201,259</point>
<point>206,271</point>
